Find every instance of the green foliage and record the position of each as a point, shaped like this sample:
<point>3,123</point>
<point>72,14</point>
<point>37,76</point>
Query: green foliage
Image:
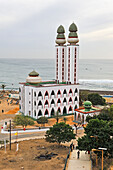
<point>23,120</point>
<point>101,131</point>
<point>105,114</point>
<point>60,132</point>
<point>83,96</point>
<point>96,99</point>
<point>64,119</point>
<point>42,120</point>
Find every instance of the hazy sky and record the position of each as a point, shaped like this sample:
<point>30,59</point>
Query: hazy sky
<point>28,27</point>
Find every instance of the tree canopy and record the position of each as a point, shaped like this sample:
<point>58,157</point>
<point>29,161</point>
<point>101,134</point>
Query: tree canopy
<point>96,99</point>
<point>97,134</point>
<point>23,120</point>
<point>42,120</point>
<point>60,132</point>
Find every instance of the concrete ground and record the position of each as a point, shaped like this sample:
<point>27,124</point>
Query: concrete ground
<point>83,163</point>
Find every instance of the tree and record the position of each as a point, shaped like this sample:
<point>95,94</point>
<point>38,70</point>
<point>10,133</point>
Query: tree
<point>23,120</point>
<point>64,119</point>
<point>101,132</point>
<point>57,116</point>
<point>3,86</point>
<point>60,132</point>
<point>83,96</point>
<point>96,99</point>
<point>42,120</point>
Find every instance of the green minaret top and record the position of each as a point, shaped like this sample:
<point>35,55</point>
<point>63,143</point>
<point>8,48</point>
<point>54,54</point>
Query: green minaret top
<point>60,39</point>
<point>33,73</point>
<point>60,29</point>
<point>73,27</point>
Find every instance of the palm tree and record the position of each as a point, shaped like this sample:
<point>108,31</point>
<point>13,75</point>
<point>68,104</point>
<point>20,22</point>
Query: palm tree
<point>57,116</point>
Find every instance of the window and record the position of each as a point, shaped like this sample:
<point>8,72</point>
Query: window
<point>40,103</point>
<point>52,102</point>
<point>58,101</point>
<point>19,97</point>
<point>76,98</point>
<point>39,94</point>
<point>59,92</point>
<point>52,93</point>
<point>46,112</point>
<point>29,93</point>
<point>64,92</point>
<point>19,89</point>
<point>34,112</point>
<point>34,103</point>
<point>35,94</point>
<point>64,101</point>
<point>29,102</point>
<point>40,113</point>
<point>46,102</point>
<point>70,108</point>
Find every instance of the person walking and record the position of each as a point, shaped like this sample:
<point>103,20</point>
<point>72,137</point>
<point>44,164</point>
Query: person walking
<point>78,154</point>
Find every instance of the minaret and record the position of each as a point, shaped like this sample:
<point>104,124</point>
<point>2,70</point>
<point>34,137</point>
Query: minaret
<point>60,55</point>
<point>72,55</point>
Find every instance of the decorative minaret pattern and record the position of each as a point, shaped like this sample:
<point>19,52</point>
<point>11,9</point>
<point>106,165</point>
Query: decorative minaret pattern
<point>72,55</point>
<point>60,55</point>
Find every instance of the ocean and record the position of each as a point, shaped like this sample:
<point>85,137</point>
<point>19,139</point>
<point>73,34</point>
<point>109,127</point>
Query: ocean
<point>93,74</point>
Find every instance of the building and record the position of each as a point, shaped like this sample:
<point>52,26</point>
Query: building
<point>87,110</point>
<point>44,98</point>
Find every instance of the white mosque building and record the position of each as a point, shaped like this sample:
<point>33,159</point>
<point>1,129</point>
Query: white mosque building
<point>45,98</point>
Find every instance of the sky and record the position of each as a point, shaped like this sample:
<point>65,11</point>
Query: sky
<point>28,28</point>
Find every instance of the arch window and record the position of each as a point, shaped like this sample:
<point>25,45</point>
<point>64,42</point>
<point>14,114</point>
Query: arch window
<point>46,94</point>
<point>59,92</point>
<point>46,102</point>
<point>52,101</point>
<point>46,112</point>
<point>52,112</point>
<point>70,109</point>
<point>34,112</point>
<point>34,94</point>
<point>76,90</point>
<point>40,113</point>
<point>75,115</point>
<point>59,110</point>
<point>39,103</point>
<point>75,107</point>
<point>64,110</point>
<point>70,91</point>
<point>64,92</point>
<point>76,98</point>
<point>40,94</point>
<point>70,99</point>
<point>19,89</point>
<point>64,101</point>
<point>52,93</point>
<point>34,103</point>
<point>58,101</point>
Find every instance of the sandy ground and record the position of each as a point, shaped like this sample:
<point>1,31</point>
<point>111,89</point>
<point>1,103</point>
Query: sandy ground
<point>26,158</point>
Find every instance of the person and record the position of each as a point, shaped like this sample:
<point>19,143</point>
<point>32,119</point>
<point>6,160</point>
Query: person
<point>78,154</point>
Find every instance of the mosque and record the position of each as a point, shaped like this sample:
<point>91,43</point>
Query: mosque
<point>45,98</point>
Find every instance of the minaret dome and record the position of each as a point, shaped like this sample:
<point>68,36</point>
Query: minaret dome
<point>73,37</point>
<point>60,39</point>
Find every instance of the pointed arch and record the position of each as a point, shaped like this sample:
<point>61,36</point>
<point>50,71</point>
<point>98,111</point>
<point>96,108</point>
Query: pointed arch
<point>70,100</point>
<point>64,92</point>
<point>64,100</point>
<point>64,110</point>
<point>52,101</point>
<point>76,91</point>
<point>52,93</point>
<point>52,112</point>
<point>46,94</point>
<point>39,94</point>
<point>70,91</point>
<point>46,103</point>
<point>75,107</point>
<point>46,112</point>
<point>59,92</point>
<point>40,103</point>
<point>58,101</point>
<point>70,108</point>
<point>76,98</point>
<point>59,110</point>
<point>39,113</point>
